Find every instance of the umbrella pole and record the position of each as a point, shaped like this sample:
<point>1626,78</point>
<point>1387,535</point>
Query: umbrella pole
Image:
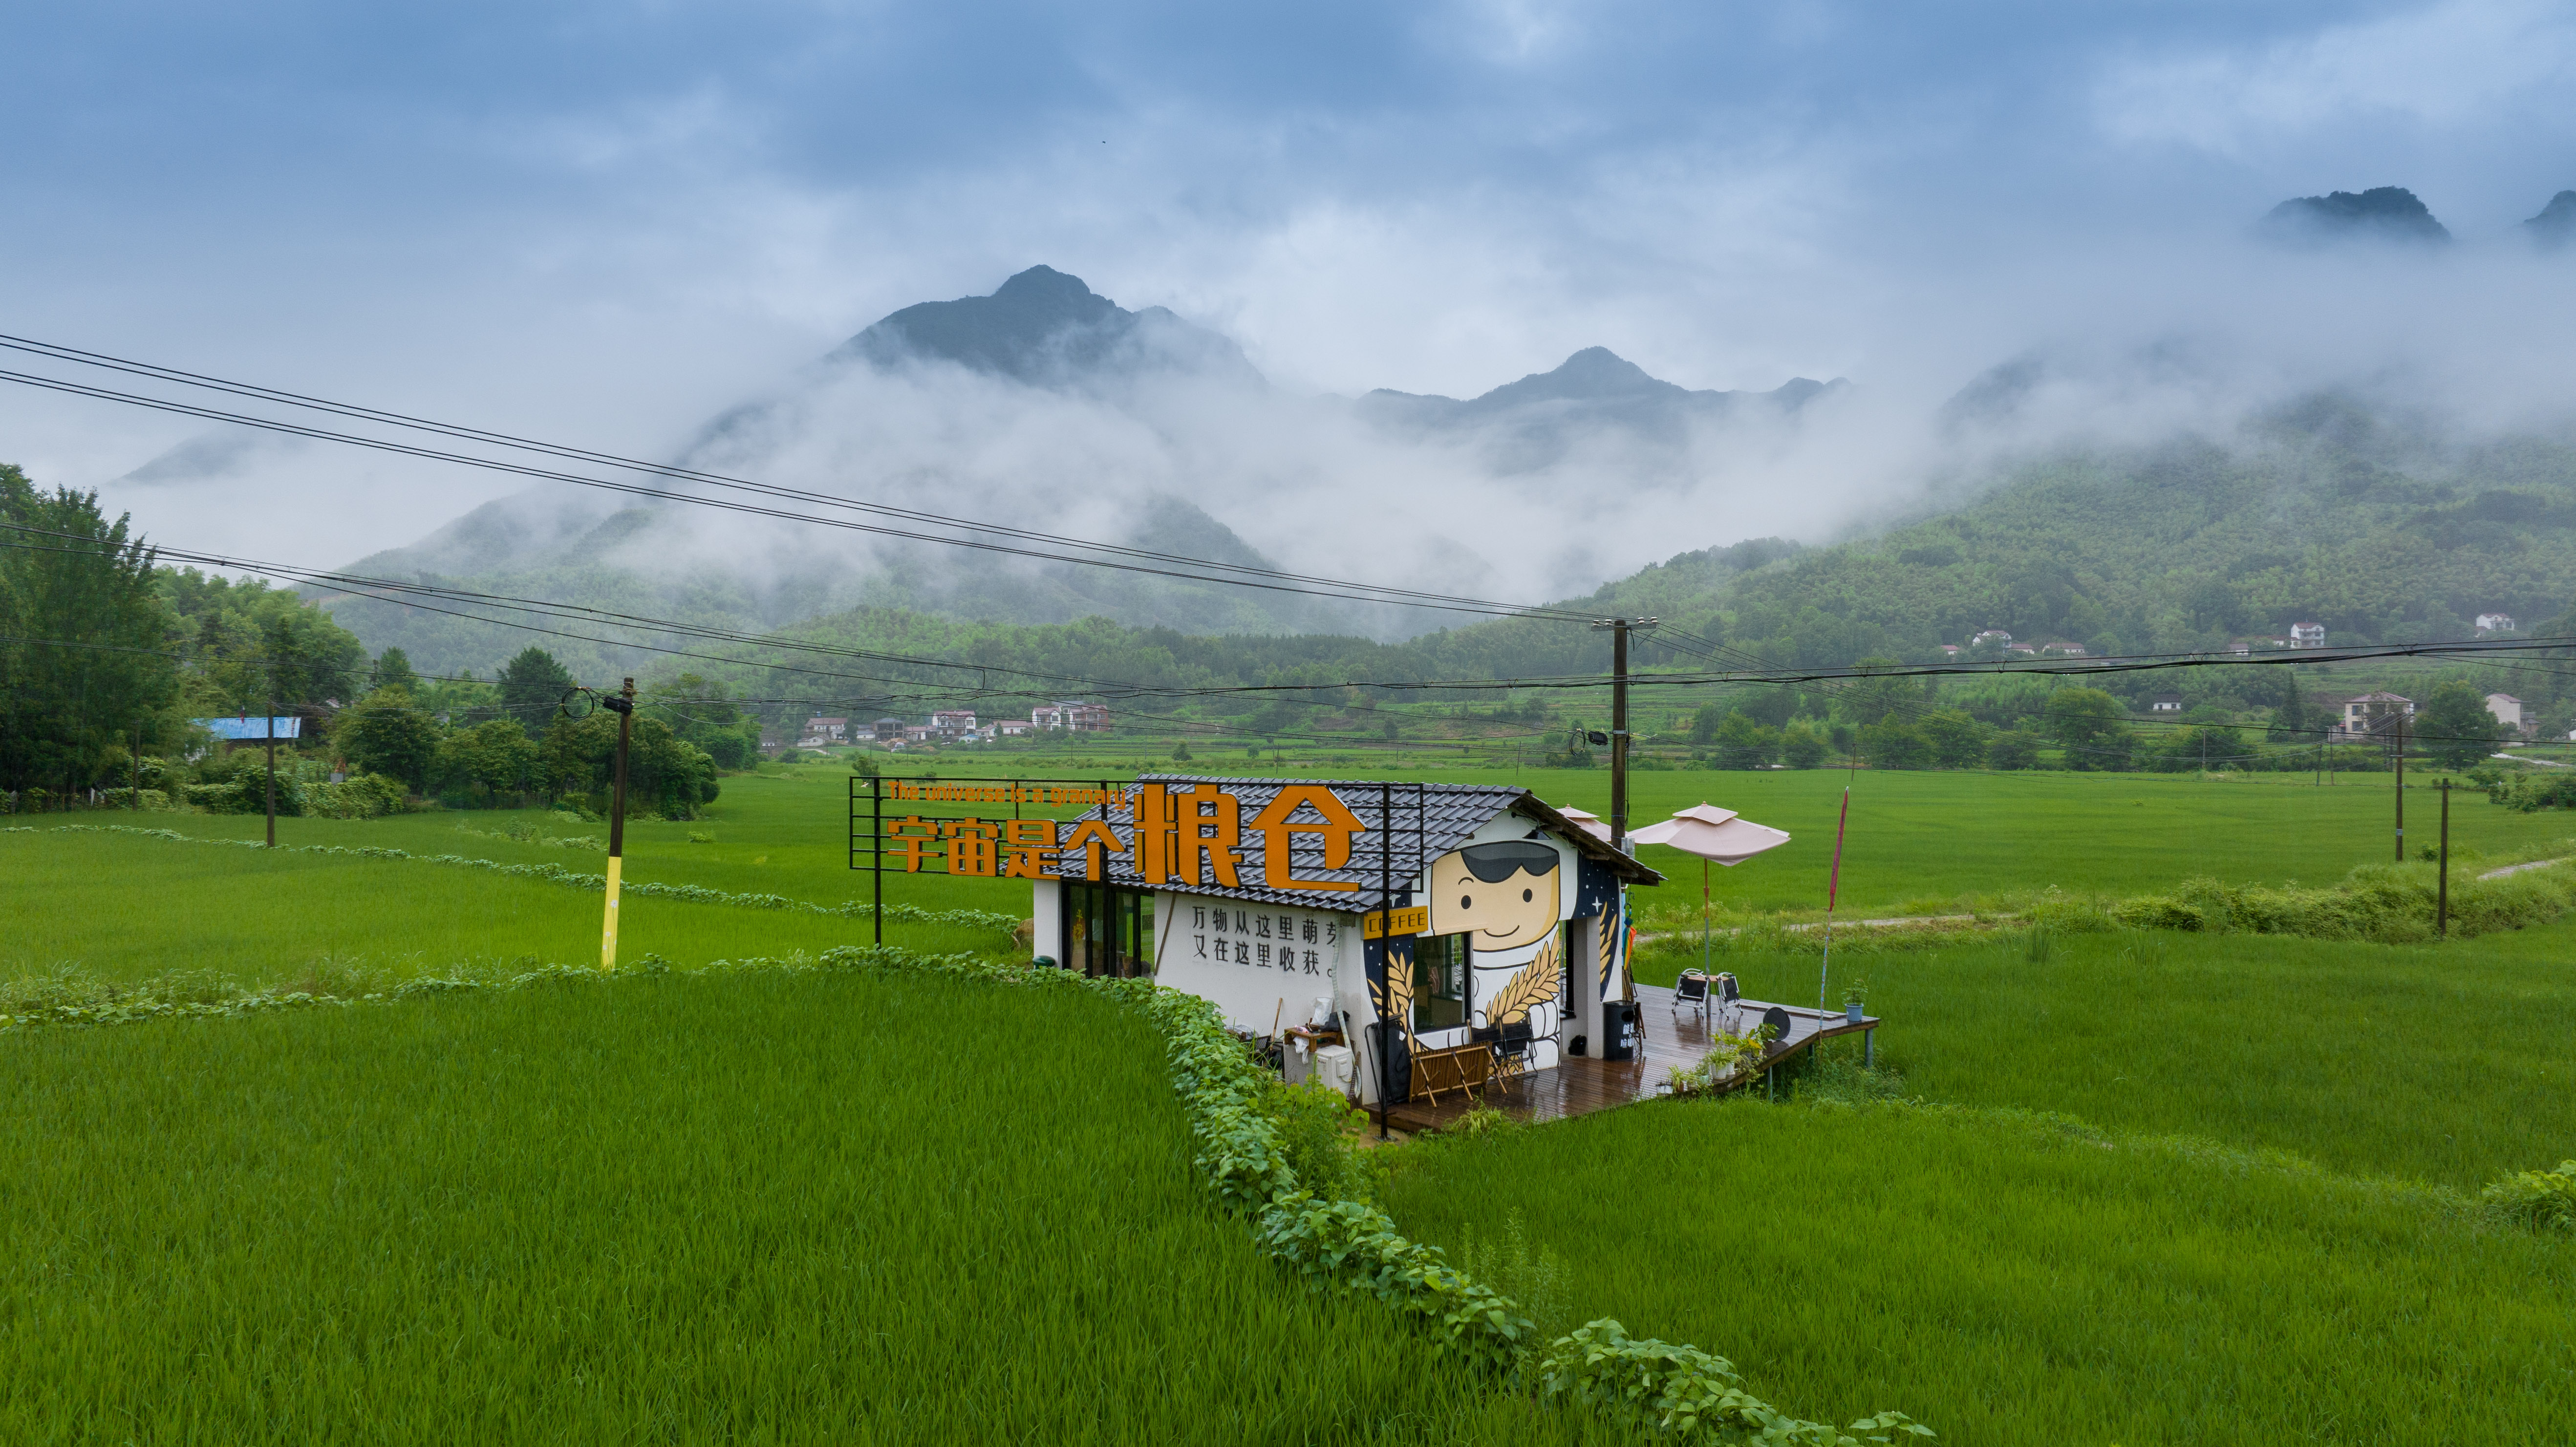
<point>1703,916</point>
<point>1833,888</point>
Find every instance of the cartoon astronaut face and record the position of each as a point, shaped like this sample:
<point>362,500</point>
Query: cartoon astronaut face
<point>1504,894</point>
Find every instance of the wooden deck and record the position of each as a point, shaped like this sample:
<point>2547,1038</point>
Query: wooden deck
<point>1582,1084</point>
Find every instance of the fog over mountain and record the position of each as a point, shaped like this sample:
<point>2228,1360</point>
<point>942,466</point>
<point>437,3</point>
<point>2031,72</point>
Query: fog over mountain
<point>1045,406</point>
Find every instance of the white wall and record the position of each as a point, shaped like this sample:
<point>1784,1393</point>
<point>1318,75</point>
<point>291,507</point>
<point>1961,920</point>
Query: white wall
<point>1046,906</point>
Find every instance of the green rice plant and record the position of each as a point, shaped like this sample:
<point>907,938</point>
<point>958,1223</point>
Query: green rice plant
<point>647,1210</point>
<point>2025,1279</point>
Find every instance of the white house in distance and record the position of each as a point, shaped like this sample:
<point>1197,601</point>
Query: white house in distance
<point>2165,703</point>
<point>2307,635</point>
<point>821,731</point>
<point>2508,711</point>
<point>2497,623</point>
<point>1072,717</point>
<point>2371,715</point>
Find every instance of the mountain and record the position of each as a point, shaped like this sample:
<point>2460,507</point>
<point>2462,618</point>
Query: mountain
<point>1048,408</point>
<point>2555,226</point>
<point>2382,213</point>
<point>1049,329</point>
<point>1535,422</point>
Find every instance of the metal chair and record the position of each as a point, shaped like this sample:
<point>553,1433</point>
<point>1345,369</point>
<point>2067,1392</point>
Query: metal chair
<point>1692,990</point>
<point>1729,997</point>
<point>1510,1045</point>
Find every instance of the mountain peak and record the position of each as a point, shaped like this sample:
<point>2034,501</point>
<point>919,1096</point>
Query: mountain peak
<point>2555,226</point>
<point>2382,213</point>
<point>1046,326</point>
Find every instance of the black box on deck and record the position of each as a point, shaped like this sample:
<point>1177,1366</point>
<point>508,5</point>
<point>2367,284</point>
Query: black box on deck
<point>1619,1029</point>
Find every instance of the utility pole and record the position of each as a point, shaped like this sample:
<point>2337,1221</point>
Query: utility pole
<point>1618,629</point>
<point>2401,784</point>
<point>1385,939</point>
<point>134,772</point>
<point>271,731</point>
<point>2442,891</point>
<point>624,704</point>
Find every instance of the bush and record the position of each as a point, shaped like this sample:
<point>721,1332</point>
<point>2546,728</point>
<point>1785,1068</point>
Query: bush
<point>2015,750</point>
<point>2537,1200</point>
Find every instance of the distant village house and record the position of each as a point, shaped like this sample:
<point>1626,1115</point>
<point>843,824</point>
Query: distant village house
<point>2496,623</point>
<point>2307,635</point>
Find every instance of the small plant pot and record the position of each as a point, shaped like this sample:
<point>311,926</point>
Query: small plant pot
<point>1851,1011</point>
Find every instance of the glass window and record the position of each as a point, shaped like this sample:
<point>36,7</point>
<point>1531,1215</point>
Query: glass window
<point>1439,981</point>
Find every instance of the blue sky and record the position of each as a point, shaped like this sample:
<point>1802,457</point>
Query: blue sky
<point>604,220</point>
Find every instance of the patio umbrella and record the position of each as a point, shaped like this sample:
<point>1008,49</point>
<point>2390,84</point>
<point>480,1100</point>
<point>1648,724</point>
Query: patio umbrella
<point>1717,836</point>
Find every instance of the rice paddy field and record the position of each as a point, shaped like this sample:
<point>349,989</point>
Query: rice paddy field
<point>763,1207</point>
<point>2131,1187</point>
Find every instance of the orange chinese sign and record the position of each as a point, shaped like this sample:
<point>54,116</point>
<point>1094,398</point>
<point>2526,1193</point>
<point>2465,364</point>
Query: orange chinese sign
<point>1173,834</point>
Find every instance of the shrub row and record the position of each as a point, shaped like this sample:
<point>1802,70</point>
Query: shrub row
<point>2387,903</point>
<point>595,883</point>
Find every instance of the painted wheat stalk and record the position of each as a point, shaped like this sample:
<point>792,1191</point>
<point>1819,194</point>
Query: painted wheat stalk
<point>1533,985</point>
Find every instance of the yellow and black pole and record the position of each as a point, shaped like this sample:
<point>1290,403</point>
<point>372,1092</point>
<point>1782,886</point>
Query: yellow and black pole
<point>624,704</point>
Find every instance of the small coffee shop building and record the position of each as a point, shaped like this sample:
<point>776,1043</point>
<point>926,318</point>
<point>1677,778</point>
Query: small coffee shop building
<point>1490,926</point>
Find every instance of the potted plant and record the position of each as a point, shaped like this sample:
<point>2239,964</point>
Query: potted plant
<point>1853,994</point>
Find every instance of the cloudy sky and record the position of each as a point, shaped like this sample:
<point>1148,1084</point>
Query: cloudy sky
<point>601,221</point>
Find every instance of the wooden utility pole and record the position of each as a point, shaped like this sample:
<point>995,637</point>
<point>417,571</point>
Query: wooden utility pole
<point>2442,890</point>
<point>271,731</point>
<point>1618,629</point>
<point>2401,785</point>
<point>624,705</point>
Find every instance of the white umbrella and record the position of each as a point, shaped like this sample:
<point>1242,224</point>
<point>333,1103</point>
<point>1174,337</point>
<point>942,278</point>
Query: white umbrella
<point>1717,836</point>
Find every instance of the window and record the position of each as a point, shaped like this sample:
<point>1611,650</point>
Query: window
<point>1108,930</point>
<point>1439,981</point>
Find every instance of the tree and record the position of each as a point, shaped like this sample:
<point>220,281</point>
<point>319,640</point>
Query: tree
<point>665,773</point>
<point>704,714</point>
<point>1892,743</point>
<point>2092,726</point>
<point>393,670</point>
<point>2456,727</point>
<point>532,688</point>
<point>1803,745</point>
<point>1744,744</point>
<point>2289,712</point>
<point>384,733</point>
<point>2013,749</point>
<point>497,755</point>
<point>1956,740</point>
<point>84,638</point>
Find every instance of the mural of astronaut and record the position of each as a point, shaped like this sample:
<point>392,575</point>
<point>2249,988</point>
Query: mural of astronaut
<point>1507,898</point>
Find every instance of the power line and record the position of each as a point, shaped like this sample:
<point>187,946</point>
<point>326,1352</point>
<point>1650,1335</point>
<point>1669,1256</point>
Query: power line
<point>1237,574</point>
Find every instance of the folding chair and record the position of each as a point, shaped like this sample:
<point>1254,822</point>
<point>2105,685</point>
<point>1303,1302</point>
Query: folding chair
<point>1728,997</point>
<point>1692,990</point>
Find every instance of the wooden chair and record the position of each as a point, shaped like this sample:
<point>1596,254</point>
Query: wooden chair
<point>1458,1067</point>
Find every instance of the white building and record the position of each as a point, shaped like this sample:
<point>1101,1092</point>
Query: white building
<point>2372,715</point>
<point>821,732</point>
<point>2496,623</point>
<point>2509,712</point>
<point>2307,635</point>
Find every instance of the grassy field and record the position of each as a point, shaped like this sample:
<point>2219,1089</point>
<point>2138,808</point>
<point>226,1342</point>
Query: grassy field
<point>2016,1284</point>
<point>1926,842</point>
<point>121,908</point>
<point>818,1207</point>
<point>2445,1063</point>
<point>2159,1187</point>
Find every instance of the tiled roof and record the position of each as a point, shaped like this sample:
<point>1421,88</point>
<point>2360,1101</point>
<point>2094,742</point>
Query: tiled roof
<point>1422,822</point>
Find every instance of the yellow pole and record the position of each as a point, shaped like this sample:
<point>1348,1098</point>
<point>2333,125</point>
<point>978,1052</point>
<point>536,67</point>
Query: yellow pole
<point>608,926</point>
<point>624,703</point>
